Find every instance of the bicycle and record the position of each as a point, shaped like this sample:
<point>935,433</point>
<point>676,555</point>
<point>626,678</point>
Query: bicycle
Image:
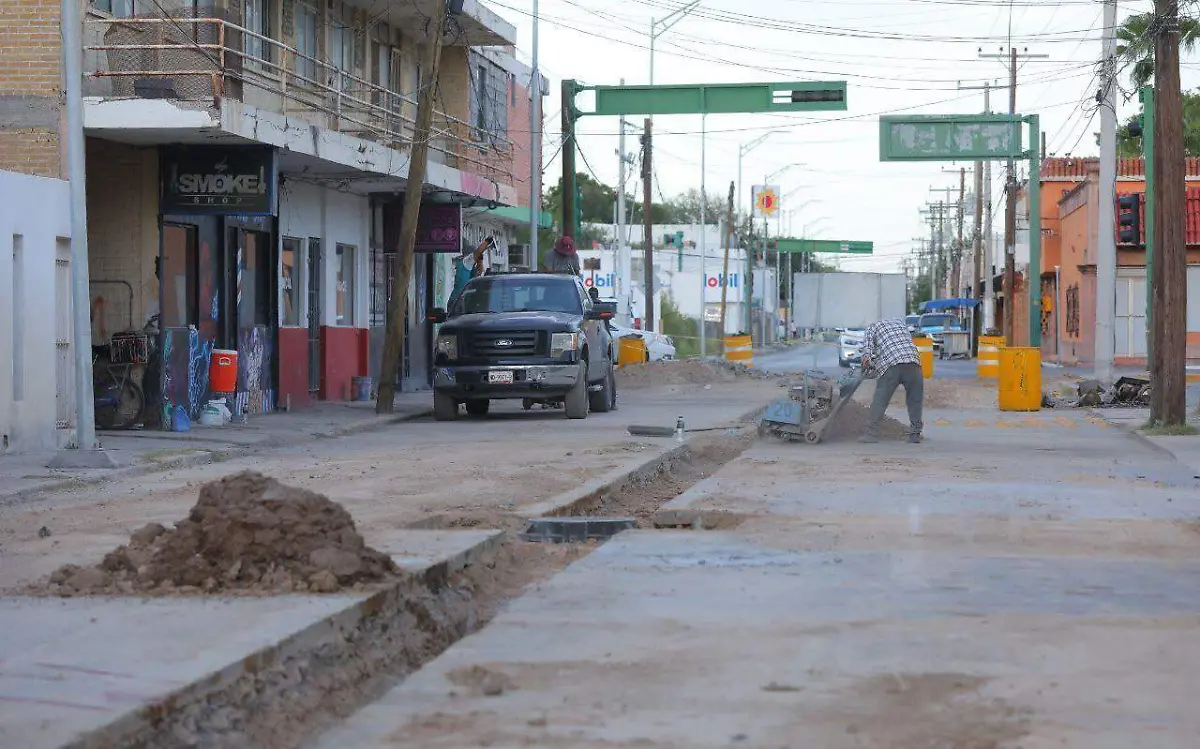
<point>117,398</point>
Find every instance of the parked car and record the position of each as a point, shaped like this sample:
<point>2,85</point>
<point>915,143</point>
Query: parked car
<point>659,347</point>
<point>850,346</point>
<point>913,322</point>
<point>535,337</point>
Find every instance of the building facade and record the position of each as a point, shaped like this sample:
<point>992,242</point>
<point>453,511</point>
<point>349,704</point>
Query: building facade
<point>245,159</point>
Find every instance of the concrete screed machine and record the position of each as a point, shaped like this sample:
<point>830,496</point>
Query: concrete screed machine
<point>811,408</point>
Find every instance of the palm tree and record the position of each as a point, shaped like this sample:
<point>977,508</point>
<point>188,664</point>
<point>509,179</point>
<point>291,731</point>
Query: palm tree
<point>1135,44</point>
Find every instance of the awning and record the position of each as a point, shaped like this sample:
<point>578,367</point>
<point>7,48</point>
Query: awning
<point>940,304</point>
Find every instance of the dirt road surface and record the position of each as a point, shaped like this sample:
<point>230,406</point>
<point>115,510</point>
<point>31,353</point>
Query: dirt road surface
<point>471,471</point>
<point>1018,580</point>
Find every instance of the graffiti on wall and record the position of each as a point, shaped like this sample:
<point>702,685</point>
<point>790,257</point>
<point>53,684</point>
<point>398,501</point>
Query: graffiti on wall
<point>475,231</point>
<point>185,357</point>
<point>255,395</point>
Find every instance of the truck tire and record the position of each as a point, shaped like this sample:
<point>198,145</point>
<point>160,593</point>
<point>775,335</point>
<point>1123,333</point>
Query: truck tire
<point>576,400</point>
<point>602,401</point>
<point>445,408</point>
<point>478,407</point>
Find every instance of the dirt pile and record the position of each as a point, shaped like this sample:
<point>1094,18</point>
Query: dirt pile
<point>852,423</point>
<point>684,372</point>
<point>248,533</point>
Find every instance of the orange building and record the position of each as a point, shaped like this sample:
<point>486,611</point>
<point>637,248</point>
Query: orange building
<point>1070,201</point>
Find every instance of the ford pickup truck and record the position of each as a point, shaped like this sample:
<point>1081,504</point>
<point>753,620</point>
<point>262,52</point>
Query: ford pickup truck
<point>534,337</point>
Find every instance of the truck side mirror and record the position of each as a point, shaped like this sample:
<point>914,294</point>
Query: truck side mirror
<point>437,316</point>
<point>602,311</point>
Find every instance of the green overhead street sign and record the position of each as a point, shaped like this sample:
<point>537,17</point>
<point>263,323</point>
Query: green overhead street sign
<point>953,137</point>
<point>824,245</point>
<point>718,98</point>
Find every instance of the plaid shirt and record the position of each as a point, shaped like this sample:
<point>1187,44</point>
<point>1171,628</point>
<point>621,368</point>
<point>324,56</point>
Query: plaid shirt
<point>887,343</point>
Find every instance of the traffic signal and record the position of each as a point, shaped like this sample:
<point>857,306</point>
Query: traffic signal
<point>578,210</point>
<point>1129,219</point>
<point>1135,126</point>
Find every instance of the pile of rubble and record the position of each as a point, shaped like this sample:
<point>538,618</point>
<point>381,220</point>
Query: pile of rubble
<point>1126,392</point>
<point>247,533</point>
<point>686,372</point>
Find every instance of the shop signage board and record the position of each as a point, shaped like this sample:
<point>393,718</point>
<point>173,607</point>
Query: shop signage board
<point>220,180</point>
<point>439,228</point>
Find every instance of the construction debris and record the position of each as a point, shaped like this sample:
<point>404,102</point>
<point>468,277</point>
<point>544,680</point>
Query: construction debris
<point>1126,392</point>
<point>246,533</point>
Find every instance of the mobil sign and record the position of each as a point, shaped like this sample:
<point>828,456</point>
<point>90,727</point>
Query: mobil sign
<point>717,281</point>
<point>601,282</point>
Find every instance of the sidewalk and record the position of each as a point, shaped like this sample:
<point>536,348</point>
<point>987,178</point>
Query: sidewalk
<point>145,451</point>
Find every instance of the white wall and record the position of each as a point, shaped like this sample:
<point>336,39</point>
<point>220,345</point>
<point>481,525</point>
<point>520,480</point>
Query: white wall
<point>307,210</point>
<point>34,216</point>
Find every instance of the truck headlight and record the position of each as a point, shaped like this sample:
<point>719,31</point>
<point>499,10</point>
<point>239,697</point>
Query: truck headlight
<point>447,345</point>
<point>561,343</point>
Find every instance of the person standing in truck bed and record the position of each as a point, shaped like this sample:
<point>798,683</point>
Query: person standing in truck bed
<point>889,352</point>
<point>563,258</point>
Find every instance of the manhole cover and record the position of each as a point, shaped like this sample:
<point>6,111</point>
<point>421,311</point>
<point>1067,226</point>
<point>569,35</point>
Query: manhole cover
<point>574,529</point>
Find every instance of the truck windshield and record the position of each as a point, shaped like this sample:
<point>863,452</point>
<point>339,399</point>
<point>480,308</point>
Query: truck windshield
<point>938,321</point>
<point>518,294</point>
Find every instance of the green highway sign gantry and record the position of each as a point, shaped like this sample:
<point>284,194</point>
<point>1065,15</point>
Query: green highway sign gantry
<point>950,137</point>
<point>833,246</point>
<point>718,98</point>
<point>976,137</point>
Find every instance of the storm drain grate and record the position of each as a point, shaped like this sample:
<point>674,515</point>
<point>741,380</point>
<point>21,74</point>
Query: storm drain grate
<point>575,529</point>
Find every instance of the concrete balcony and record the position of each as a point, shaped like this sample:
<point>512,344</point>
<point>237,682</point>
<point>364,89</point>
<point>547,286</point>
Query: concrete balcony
<point>164,80</point>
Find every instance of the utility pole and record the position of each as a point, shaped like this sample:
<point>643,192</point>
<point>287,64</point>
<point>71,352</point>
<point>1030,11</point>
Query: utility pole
<point>624,261</point>
<point>648,223</point>
<point>1168,374</point>
<point>956,272</point>
<point>535,145</point>
<point>1106,251</point>
<point>983,204</point>
<point>393,343</point>
<point>703,240</point>
<point>567,193</point>
<point>86,452</point>
<point>1010,208</point>
<point>728,239</point>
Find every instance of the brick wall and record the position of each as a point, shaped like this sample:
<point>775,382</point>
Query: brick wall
<point>122,204</point>
<point>518,133</point>
<point>30,87</point>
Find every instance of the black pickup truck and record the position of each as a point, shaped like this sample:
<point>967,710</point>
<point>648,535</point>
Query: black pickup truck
<point>535,337</point>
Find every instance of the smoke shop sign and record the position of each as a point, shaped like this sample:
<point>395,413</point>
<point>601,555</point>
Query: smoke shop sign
<point>219,180</point>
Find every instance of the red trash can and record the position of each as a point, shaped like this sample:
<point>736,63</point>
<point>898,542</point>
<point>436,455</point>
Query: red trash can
<point>222,371</point>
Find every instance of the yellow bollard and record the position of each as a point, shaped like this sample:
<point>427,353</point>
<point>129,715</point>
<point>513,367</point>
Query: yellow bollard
<point>1020,379</point>
<point>925,351</point>
<point>631,350</point>
<point>988,363</point>
<point>739,349</point>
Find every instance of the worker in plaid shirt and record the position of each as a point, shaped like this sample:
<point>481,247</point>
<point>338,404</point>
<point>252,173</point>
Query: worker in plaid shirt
<point>888,352</point>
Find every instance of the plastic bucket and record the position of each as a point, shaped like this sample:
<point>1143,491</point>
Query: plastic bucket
<point>1020,379</point>
<point>222,371</point>
<point>988,364</point>
<point>925,351</point>
<point>631,349</point>
<point>738,348</point>
<point>360,388</point>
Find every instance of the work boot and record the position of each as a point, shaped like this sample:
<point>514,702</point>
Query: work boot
<point>868,439</point>
<point>915,438</point>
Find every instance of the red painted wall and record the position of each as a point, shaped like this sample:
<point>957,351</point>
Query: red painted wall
<point>343,355</point>
<point>293,367</point>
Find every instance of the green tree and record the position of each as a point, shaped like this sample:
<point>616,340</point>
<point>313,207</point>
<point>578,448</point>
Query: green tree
<point>1130,145</point>
<point>1135,44</point>
<point>685,208</point>
<point>683,330</point>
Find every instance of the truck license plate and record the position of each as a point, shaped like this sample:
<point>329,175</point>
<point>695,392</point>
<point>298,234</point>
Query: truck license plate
<point>500,378</point>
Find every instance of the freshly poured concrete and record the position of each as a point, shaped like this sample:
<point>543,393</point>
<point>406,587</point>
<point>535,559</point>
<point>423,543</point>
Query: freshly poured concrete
<point>994,588</point>
<point>72,666</point>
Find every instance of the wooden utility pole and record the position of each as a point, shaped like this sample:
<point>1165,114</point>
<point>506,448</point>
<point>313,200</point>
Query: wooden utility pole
<point>393,343</point>
<point>728,239</point>
<point>977,234</point>
<point>648,223</point>
<point>1010,219</point>
<point>956,269</point>
<point>568,163</point>
<point>1168,371</point>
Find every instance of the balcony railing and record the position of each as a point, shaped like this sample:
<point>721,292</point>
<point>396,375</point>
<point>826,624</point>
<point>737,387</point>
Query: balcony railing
<point>206,59</point>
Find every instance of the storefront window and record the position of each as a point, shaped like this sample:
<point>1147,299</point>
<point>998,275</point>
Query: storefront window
<point>289,282</point>
<point>179,275</point>
<point>345,284</point>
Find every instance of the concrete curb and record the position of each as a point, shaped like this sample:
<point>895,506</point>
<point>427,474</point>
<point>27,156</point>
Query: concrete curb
<point>209,456</point>
<point>149,724</point>
<point>1136,434</point>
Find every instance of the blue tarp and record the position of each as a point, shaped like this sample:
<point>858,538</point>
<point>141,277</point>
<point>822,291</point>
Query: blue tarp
<point>939,304</point>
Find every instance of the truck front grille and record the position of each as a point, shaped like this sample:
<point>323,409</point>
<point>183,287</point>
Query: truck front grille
<point>505,344</point>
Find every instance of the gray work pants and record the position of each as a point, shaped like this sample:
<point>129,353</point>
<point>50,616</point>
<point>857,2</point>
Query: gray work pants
<point>908,375</point>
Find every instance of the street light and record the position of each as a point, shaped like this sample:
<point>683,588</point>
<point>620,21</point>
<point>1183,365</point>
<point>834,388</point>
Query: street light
<point>779,171</point>
<point>666,23</point>
<point>745,149</point>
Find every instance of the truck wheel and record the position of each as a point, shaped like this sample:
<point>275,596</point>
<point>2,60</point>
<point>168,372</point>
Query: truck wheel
<point>445,408</point>
<point>602,401</point>
<point>576,400</point>
<point>478,407</point>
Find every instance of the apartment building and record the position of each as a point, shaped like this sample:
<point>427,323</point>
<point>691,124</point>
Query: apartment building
<point>246,161</point>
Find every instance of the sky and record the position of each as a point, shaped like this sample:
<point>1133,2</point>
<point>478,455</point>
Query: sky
<point>897,57</point>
